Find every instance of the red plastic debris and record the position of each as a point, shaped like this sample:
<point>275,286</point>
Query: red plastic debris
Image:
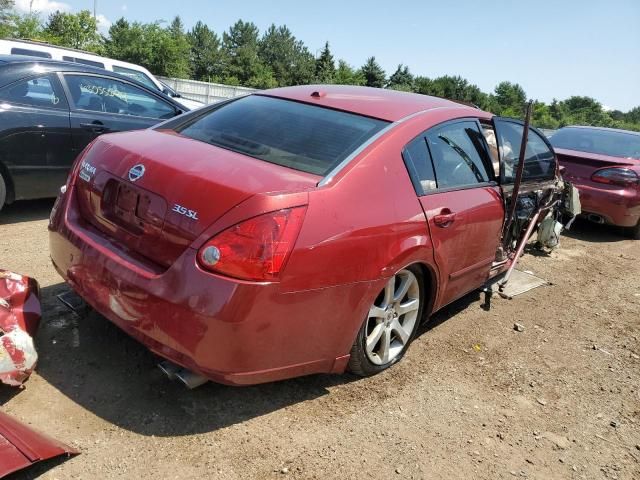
<point>19,318</point>
<point>21,446</point>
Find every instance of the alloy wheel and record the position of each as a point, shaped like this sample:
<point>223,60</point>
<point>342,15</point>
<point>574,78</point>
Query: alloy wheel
<point>392,318</point>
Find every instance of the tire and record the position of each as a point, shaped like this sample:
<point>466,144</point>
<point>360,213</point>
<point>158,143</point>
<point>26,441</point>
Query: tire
<point>3,192</point>
<point>390,325</point>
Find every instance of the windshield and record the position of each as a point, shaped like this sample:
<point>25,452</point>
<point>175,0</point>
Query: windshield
<point>604,142</point>
<point>295,135</point>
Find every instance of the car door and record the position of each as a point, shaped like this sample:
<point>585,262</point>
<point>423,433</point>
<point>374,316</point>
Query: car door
<point>540,164</point>
<point>35,140</point>
<point>103,104</point>
<point>454,179</point>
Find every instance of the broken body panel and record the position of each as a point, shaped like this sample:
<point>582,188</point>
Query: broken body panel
<point>21,446</point>
<point>19,319</point>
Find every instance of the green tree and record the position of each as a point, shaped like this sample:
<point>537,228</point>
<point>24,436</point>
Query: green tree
<point>161,50</point>
<point>509,100</point>
<point>617,115</point>
<point>346,75</point>
<point>373,73</point>
<point>325,66</point>
<point>402,79</point>
<point>633,115</point>
<point>288,58</point>
<point>541,116</point>
<point>454,88</point>
<point>30,27</point>
<point>242,63</point>
<point>7,18</point>
<point>586,111</point>
<point>75,30</point>
<point>126,42</point>
<point>173,50</point>
<point>423,85</point>
<point>206,57</point>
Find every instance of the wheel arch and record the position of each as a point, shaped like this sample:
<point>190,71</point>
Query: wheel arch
<point>430,280</point>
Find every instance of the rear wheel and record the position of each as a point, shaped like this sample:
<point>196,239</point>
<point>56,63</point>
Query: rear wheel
<point>390,325</point>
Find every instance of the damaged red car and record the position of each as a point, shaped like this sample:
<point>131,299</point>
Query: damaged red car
<point>298,230</point>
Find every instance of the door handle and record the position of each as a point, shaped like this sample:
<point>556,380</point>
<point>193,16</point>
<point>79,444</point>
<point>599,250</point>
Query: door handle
<point>96,126</point>
<point>445,218</point>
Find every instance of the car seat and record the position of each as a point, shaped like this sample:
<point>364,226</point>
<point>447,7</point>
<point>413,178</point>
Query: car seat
<point>95,104</point>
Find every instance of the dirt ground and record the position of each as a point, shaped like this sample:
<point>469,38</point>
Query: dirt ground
<point>472,399</point>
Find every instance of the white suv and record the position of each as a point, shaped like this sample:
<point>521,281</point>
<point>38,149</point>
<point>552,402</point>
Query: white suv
<point>141,74</point>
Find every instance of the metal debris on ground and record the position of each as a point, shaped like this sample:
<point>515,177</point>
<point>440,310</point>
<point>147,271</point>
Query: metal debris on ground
<point>519,283</point>
<point>19,319</point>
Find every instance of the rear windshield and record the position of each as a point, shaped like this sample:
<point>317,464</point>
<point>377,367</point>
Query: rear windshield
<point>604,142</point>
<point>303,137</point>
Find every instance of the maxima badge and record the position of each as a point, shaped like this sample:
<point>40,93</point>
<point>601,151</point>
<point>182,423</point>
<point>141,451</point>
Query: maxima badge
<point>136,172</point>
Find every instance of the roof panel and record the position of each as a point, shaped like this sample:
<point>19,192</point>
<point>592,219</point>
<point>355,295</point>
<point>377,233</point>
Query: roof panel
<point>380,103</point>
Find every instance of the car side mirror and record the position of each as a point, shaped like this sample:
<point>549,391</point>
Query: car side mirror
<point>171,93</point>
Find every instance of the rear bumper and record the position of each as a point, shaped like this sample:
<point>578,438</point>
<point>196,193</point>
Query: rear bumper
<point>617,206</point>
<point>230,331</point>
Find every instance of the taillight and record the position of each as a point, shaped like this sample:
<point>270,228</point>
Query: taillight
<point>256,249</point>
<point>616,176</point>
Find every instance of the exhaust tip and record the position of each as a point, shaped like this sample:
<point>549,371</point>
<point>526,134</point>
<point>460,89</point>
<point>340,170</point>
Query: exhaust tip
<point>592,217</point>
<point>175,372</point>
<point>73,302</point>
<point>190,379</point>
<point>169,369</point>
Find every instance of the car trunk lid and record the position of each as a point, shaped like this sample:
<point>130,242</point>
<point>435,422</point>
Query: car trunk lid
<point>580,166</point>
<point>155,191</point>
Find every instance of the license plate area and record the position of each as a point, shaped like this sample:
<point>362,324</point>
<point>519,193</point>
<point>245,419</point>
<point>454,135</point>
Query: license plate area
<point>138,211</point>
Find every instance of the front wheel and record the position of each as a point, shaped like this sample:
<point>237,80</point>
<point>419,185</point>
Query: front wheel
<point>390,325</point>
<point>3,191</point>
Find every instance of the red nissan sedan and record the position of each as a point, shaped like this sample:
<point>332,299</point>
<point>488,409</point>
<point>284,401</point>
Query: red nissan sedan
<point>297,230</point>
<point>604,164</point>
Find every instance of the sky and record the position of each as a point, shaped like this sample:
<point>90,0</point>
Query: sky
<point>554,49</point>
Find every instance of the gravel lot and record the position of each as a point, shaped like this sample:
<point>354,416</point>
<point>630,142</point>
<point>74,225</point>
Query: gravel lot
<point>472,399</point>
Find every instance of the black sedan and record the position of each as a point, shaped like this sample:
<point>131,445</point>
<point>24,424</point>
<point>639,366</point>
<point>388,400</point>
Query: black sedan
<point>50,110</point>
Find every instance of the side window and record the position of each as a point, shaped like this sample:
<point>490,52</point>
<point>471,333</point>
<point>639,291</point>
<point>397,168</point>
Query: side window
<point>418,162</point>
<point>459,155</point>
<point>83,61</point>
<point>30,53</point>
<point>107,95</point>
<point>34,92</point>
<point>539,163</point>
<point>136,75</point>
